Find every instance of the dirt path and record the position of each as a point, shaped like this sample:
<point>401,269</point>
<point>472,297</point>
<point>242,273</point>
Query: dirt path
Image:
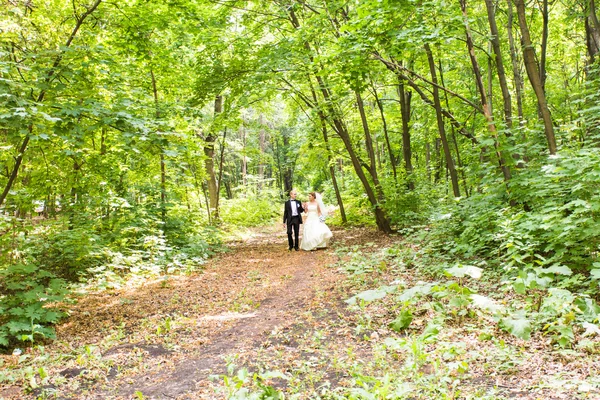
<point>230,309</point>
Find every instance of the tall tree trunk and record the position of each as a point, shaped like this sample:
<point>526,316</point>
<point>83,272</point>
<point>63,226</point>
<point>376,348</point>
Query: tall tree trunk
<point>209,164</point>
<point>428,160</point>
<point>323,121</point>
<point>453,135</point>
<point>592,32</point>
<point>74,195</point>
<point>405,99</point>
<point>244,159</point>
<point>440,123</point>
<point>40,98</point>
<point>487,112</point>
<point>221,161</point>
<point>495,40</point>
<point>383,223</point>
<point>385,132</point>
<point>518,79</point>
<point>163,172</point>
<point>544,46</point>
<point>288,170</point>
<point>369,146</point>
<point>533,74</point>
<point>382,220</point>
<point>261,143</point>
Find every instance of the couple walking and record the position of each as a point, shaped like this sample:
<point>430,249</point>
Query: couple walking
<point>315,234</point>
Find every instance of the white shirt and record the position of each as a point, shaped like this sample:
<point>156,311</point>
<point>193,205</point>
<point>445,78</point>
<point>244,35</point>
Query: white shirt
<point>294,209</point>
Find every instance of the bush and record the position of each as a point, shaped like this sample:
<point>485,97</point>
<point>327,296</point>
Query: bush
<point>251,211</point>
<point>68,254</point>
<point>26,293</point>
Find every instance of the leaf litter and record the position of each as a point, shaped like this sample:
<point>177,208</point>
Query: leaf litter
<point>283,314</point>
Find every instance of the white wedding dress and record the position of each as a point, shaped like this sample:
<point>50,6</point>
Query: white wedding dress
<point>315,234</point>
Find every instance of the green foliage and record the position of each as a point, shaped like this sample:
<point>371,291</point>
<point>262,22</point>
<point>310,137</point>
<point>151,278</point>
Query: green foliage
<point>253,211</point>
<point>28,298</point>
<point>68,254</point>
<point>246,386</point>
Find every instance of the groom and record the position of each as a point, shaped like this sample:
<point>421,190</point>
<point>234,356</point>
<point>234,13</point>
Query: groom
<point>293,219</point>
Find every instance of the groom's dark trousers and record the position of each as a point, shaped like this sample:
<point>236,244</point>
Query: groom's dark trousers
<point>294,224</point>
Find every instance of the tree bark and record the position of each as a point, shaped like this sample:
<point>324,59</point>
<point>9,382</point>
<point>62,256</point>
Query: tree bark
<point>495,39</point>
<point>533,74</point>
<point>440,123</point>
<point>592,30</point>
<point>261,144</point>
<point>244,159</point>
<point>405,99</point>
<point>385,132</point>
<point>544,46</point>
<point>518,79</point>
<point>323,121</point>
<point>209,164</point>
<point>370,149</point>
<point>487,112</point>
<point>163,172</point>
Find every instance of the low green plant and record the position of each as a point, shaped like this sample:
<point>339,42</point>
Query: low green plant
<point>28,298</point>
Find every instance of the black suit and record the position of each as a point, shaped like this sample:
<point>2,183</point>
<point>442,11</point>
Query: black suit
<point>292,222</point>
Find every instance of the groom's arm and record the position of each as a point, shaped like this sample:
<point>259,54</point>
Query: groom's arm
<point>285,212</point>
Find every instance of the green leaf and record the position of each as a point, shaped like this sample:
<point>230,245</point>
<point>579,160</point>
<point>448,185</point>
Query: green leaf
<point>461,272</point>
<point>558,269</point>
<point>519,327</point>
<point>402,321</point>
<point>419,289</point>
<point>590,329</point>
<point>595,274</point>
<point>519,286</point>
<point>485,303</point>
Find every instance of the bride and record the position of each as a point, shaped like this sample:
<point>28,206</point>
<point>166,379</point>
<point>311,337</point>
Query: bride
<point>315,234</point>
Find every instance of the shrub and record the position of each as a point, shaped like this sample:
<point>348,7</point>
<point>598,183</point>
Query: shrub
<point>26,295</point>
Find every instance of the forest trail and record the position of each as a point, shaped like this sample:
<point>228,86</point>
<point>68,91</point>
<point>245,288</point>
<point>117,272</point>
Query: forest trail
<point>230,311</point>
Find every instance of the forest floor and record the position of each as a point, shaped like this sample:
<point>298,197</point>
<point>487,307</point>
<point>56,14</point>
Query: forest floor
<point>259,319</point>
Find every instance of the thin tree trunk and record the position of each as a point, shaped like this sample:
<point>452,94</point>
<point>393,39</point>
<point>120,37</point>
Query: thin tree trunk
<point>163,173</point>
<point>544,47</point>
<point>533,74</point>
<point>381,218</point>
<point>405,99</point>
<point>440,123</point>
<point>221,159</point>
<point>385,132</point>
<point>428,160</point>
<point>487,112</point>
<point>369,145</point>
<point>518,79</point>
<point>495,40</point>
<point>453,135</point>
<point>261,144</point>
<point>592,30</point>
<point>74,195</point>
<point>209,164</point>
<point>331,165</point>
<point>244,159</point>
